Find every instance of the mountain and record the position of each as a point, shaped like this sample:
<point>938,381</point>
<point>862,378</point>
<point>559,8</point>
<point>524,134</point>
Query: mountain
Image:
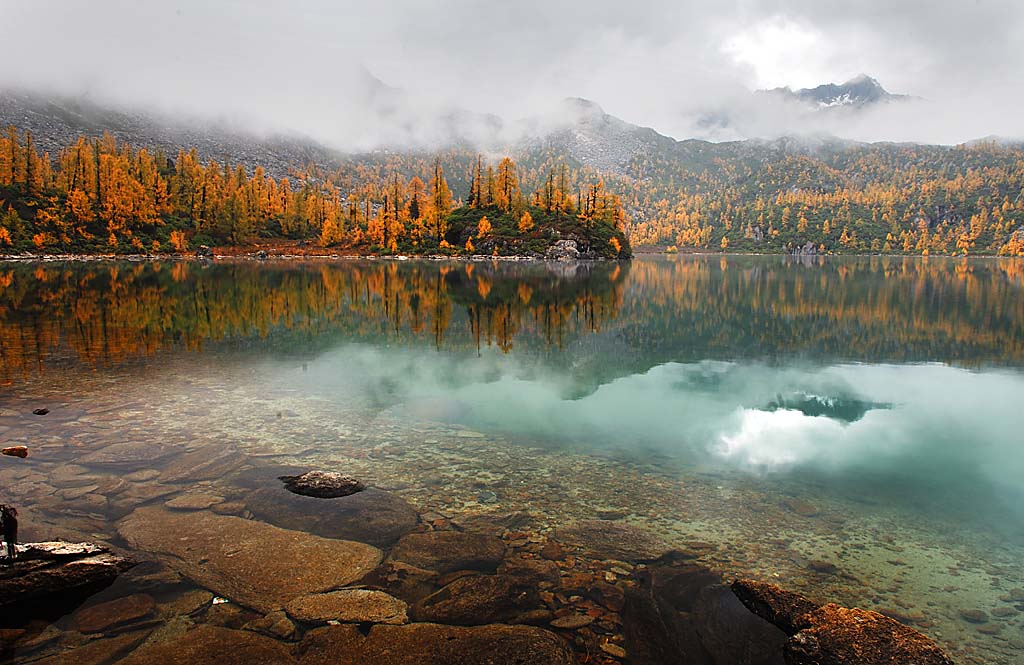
<point>858,92</point>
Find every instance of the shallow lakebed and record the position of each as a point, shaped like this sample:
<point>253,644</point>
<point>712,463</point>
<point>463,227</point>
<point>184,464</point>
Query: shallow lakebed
<point>845,428</point>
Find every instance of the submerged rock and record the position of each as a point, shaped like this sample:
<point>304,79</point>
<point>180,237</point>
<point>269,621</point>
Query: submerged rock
<point>681,614</point>
<point>479,599</point>
<point>447,551</point>
<point>101,617</point>
<point>253,563</point>
<point>612,540</point>
<point>834,635</point>
<point>50,578</point>
<point>322,484</point>
<point>16,451</point>
<point>125,455</point>
<point>433,644</point>
<point>372,516</point>
<point>211,644</point>
<point>349,606</point>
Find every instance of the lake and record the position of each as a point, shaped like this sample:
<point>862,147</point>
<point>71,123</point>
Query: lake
<point>848,428</point>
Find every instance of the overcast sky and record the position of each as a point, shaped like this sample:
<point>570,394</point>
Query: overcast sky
<point>660,63</point>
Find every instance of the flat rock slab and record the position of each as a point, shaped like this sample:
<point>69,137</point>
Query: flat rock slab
<point>253,563</point>
<point>433,644</point>
<point>56,574</point>
<point>372,516</point>
<point>448,551</point>
<point>603,539</point>
<point>126,455</point>
<point>197,501</point>
<point>101,617</point>
<point>212,644</point>
<point>349,606</point>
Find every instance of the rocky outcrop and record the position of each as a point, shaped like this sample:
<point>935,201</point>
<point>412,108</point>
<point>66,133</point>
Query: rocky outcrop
<point>253,563</point>
<point>53,577</point>
<point>563,250</point>
<point>447,551</point>
<point>834,635</point>
<point>433,644</point>
<point>322,484</point>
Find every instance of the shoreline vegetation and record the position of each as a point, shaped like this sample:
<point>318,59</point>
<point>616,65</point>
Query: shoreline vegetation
<point>99,196</point>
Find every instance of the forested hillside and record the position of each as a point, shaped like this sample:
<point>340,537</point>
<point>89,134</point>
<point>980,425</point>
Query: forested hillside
<point>99,195</point>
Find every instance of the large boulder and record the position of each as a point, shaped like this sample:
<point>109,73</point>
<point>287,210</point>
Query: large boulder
<point>253,563</point>
<point>834,635</point>
<point>433,644</point>
<point>53,577</point>
<point>322,484</point>
<point>371,516</point>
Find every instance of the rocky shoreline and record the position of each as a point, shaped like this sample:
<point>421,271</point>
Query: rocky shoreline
<point>219,584</point>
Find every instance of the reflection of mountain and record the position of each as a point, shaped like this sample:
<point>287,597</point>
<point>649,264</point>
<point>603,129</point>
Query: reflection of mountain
<point>595,322</point>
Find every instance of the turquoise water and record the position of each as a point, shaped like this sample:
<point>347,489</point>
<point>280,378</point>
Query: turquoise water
<point>848,428</point>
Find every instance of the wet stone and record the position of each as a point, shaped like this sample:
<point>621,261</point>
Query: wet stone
<point>433,644</point>
<point>372,516</point>
<point>275,624</point>
<point>126,455</point>
<point>348,606</point>
<point>973,616</point>
<point>198,501</point>
<point>612,540</point>
<point>322,484</point>
<point>211,644</point>
<point>102,617</point>
<point>478,599</point>
<point>255,564</point>
<point>447,551</point>
<point>572,621</point>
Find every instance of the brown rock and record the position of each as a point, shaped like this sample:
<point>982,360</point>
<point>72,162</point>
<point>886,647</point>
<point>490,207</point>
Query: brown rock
<point>101,617</point>
<point>774,605</point>
<point>210,644</point>
<point>973,616</point>
<point>372,516</point>
<point>447,551</point>
<point>612,540</point>
<point>16,451</point>
<point>801,507</point>
<point>57,573</point>
<point>126,454</point>
<point>252,563</point>
<point>478,599</point>
<point>322,484</point>
<point>572,621</point>
<point>275,624</point>
<point>197,501</point>
<point>97,652</point>
<point>432,644</point>
<point>835,635</point>
<point>349,606</point>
